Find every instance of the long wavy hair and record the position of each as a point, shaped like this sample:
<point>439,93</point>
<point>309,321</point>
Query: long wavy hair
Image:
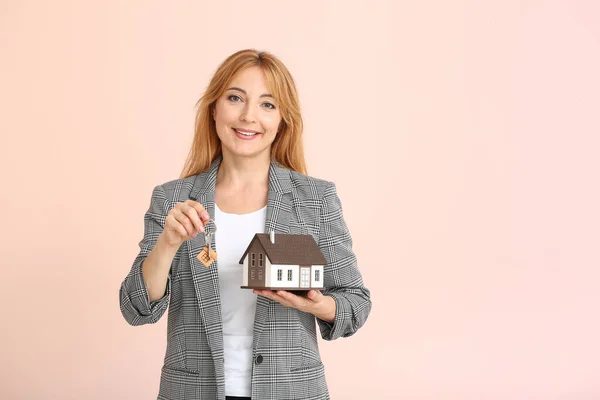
<point>287,148</point>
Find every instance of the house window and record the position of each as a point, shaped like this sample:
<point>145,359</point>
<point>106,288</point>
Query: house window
<point>279,274</point>
<point>289,275</point>
<point>252,274</point>
<point>260,274</point>
<point>253,258</point>
<point>317,275</point>
<point>260,259</point>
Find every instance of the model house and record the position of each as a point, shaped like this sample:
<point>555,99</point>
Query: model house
<point>283,262</point>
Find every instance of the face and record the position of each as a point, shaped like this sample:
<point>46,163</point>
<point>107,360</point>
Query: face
<point>246,115</point>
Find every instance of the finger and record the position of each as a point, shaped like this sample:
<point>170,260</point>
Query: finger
<point>281,300</point>
<point>185,221</point>
<point>272,295</point>
<point>265,293</point>
<point>204,216</point>
<point>174,224</point>
<point>192,214</point>
<point>295,301</point>
<point>315,295</point>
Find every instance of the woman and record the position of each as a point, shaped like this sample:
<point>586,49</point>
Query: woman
<point>246,174</point>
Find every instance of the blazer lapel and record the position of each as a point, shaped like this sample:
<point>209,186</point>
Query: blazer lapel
<point>206,279</point>
<point>279,209</point>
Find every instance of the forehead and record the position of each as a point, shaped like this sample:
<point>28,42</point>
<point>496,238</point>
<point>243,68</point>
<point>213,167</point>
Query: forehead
<point>251,79</point>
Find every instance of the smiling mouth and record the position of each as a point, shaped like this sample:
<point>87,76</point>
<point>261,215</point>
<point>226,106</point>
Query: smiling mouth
<point>246,132</point>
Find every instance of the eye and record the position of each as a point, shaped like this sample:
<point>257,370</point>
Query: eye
<point>234,97</point>
<point>269,106</point>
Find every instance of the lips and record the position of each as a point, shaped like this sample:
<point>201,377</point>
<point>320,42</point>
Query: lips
<point>246,134</point>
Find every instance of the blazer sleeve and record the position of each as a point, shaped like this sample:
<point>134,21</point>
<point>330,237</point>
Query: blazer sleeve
<point>342,279</point>
<point>136,307</point>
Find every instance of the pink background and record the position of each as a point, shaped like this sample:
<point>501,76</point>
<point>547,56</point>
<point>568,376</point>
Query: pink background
<point>463,136</point>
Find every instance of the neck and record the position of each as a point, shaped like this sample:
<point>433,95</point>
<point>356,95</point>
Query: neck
<point>241,172</point>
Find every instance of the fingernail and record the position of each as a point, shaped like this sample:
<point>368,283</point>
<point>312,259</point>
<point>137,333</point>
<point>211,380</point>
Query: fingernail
<point>205,215</point>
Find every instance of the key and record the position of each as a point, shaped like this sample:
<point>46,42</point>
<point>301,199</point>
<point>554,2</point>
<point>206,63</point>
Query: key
<point>207,256</point>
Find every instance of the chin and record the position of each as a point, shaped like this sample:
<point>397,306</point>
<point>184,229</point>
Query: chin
<point>248,153</point>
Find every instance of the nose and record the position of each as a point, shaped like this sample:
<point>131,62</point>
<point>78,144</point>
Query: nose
<point>247,114</point>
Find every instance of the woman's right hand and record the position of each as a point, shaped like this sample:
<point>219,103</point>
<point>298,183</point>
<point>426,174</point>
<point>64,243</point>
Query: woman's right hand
<point>184,222</point>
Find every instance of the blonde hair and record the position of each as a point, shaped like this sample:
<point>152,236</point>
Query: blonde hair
<point>287,148</point>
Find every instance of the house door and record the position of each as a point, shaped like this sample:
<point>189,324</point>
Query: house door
<point>305,277</point>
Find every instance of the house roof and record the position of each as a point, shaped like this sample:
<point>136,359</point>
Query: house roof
<point>289,249</point>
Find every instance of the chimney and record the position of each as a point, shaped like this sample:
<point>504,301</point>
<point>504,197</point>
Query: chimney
<point>272,237</point>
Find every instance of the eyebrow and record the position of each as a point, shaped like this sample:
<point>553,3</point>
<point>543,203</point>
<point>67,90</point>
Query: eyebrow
<point>243,91</point>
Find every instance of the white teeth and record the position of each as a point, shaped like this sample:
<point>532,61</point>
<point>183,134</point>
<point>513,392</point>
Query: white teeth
<point>245,133</point>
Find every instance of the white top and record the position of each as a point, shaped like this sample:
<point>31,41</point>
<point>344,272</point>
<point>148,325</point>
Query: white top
<point>238,306</point>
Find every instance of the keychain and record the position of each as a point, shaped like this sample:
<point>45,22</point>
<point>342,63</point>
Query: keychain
<point>208,255</point>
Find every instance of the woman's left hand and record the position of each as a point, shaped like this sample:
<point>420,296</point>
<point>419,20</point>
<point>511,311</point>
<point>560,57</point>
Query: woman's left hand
<point>322,307</point>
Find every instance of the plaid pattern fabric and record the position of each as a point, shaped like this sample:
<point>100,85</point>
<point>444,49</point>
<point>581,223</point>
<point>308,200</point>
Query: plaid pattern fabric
<point>286,360</point>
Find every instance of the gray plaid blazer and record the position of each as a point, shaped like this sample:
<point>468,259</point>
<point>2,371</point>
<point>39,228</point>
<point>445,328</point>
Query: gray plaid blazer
<point>286,360</point>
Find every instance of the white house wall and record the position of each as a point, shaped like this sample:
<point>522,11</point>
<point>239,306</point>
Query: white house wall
<point>314,283</point>
<point>245,274</point>
<point>267,270</point>
<point>283,283</point>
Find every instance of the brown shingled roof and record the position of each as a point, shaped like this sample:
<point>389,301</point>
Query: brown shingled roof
<point>289,249</point>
